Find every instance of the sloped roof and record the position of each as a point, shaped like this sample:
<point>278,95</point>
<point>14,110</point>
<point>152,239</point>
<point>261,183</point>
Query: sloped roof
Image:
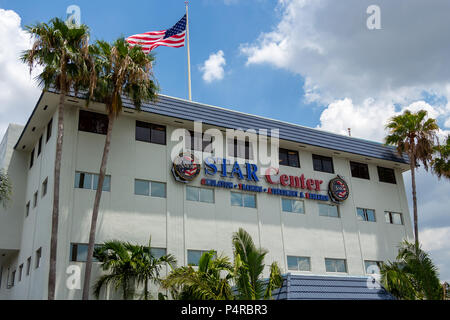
<point>305,287</point>
<point>216,116</point>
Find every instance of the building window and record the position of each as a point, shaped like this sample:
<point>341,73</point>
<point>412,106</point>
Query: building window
<point>13,279</point>
<point>39,146</point>
<point>200,194</point>
<point>386,175</point>
<point>299,263</point>
<point>44,187</point>
<point>289,158</point>
<point>20,272</point>
<point>49,129</point>
<point>323,164</point>
<point>84,180</point>
<point>38,257</point>
<point>27,209</point>
<point>35,199</point>
<point>194,256</point>
<point>335,265</point>
<point>393,217</point>
<point>295,206</point>
<point>149,132</point>
<point>149,188</point>
<point>93,122</point>
<point>328,210</point>
<point>198,142</point>
<point>157,253</point>
<point>79,251</point>
<point>372,267</point>
<point>240,149</point>
<point>32,158</point>
<point>28,266</point>
<point>243,200</point>
<point>359,170</point>
<point>365,214</point>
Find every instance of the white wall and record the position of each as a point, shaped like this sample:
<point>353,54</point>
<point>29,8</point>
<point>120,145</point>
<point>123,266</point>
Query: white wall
<point>179,225</point>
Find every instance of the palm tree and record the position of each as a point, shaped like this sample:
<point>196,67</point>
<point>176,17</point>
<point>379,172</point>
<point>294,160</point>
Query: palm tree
<point>5,188</point>
<point>118,258</point>
<point>62,52</point>
<point>148,267</point>
<point>211,281</point>
<point>441,161</point>
<point>413,276</point>
<point>413,134</point>
<point>217,279</point>
<point>249,267</point>
<point>119,70</point>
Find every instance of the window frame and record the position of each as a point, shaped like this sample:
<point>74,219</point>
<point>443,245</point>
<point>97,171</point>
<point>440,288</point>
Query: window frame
<point>37,263</point>
<point>44,188</point>
<point>94,119</point>
<point>329,205</point>
<point>202,252</point>
<point>92,185</point>
<point>199,189</point>
<point>335,265</point>
<point>317,157</point>
<point>291,201</point>
<point>32,159</point>
<point>49,130</point>
<point>366,216</point>
<point>391,218</point>
<point>206,145</point>
<point>237,145</point>
<point>287,151</point>
<point>150,183</point>
<point>298,257</point>
<point>358,166</point>
<point>378,263</point>
<point>382,176</point>
<point>73,253</point>
<point>151,127</point>
<point>242,194</point>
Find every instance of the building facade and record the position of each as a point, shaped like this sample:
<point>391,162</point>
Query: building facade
<point>308,225</point>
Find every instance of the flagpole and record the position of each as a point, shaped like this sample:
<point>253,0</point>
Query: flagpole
<point>188,52</point>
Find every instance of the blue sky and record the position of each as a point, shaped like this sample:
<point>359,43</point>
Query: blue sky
<point>315,63</point>
<point>214,25</point>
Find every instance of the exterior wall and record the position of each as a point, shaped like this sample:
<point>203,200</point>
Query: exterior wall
<point>177,224</point>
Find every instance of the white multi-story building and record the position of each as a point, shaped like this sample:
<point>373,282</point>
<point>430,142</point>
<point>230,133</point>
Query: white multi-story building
<point>290,212</point>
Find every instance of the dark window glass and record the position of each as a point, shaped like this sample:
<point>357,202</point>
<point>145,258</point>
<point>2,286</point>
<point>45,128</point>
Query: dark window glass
<point>32,158</point>
<point>49,129</point>
<point>199,142</point>
<point>39,146</point>
<point>27,209</point>
<point>20,272</point>
<point>93,122</point>
<point>152,133</point>
<point>359,170</point>
<point>289,158</point>
<point>78,252</point>
<point>28,265</point>
<point>324,164</point>
<point>365,214</point>
<point>386,175</point>
<point>38,257</point>
<point>240,149</point>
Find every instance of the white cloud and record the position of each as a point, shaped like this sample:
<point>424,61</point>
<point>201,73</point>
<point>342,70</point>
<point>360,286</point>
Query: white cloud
<point>349,68</point>
<point>213,67</point>
<point>363,77</point>
<point>19,93</point>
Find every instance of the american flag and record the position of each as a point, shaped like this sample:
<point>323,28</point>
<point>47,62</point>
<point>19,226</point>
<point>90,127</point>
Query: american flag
<point>173,37</point>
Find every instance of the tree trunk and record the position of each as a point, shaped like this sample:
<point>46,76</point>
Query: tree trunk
<point>413,182</point>
<point>98,195</point>
<point>55,212</point>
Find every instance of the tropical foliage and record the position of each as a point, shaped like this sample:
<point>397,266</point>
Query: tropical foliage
<point>128,266</point>
<point>413,276</point>
<point>5,188</point>
<point>216,278</point>
<point>118,69</point>
<point>413,134</point>
<point>441,161</point>
<point>62,53</point>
